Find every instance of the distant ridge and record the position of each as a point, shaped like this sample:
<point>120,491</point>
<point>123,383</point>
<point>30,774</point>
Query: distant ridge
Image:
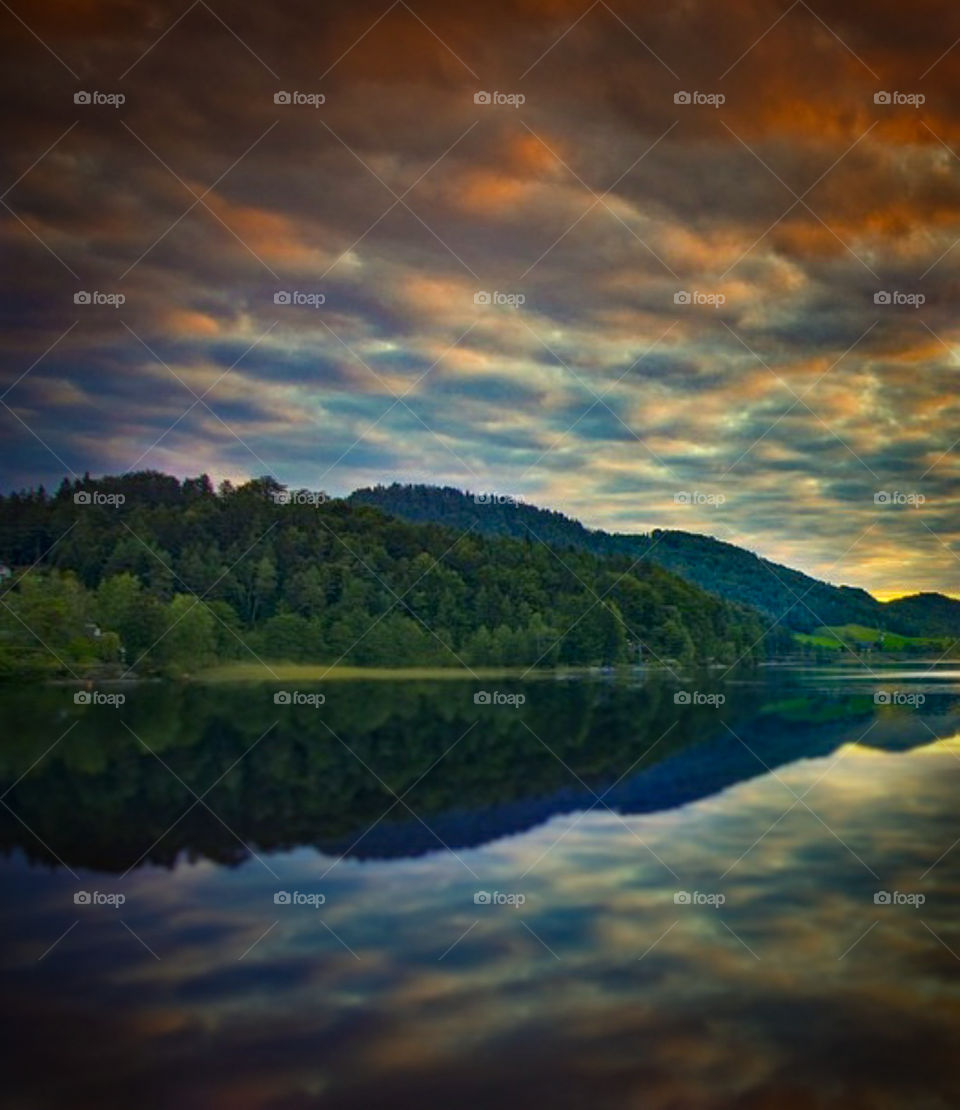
<point>797,600</point>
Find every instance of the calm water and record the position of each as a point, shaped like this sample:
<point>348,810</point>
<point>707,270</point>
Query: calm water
<point>400,898</point>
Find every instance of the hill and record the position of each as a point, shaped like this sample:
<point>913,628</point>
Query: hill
<point>152,574</point>
<point>926,614</point>
<point>796,600</point>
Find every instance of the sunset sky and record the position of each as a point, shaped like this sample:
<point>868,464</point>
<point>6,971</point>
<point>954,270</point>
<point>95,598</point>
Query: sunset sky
<point>815,166</point>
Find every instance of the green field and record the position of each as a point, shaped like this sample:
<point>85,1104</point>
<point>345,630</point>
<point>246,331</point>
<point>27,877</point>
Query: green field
<point>853,636</point>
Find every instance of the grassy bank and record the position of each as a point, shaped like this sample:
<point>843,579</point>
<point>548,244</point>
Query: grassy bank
<point>856,637</point>
<point>319,672</point>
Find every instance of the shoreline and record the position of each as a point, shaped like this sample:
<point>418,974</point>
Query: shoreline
<point>318,672</point>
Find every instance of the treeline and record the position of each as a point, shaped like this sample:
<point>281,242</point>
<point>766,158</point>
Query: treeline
<point>148,573</point>
<point>795,600</point>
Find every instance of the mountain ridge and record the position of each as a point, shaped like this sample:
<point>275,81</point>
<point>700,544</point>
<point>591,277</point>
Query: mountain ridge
<point>784,595</point>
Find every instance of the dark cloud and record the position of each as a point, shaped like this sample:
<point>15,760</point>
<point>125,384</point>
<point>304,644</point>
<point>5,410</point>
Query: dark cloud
<point>597,200</point>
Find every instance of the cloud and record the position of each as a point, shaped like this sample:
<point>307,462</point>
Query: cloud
<point>596,200</point>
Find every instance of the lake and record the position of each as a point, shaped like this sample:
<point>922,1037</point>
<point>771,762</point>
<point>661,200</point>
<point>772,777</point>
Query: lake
<point>597,891</point>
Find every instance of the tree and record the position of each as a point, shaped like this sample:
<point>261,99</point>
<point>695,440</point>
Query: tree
<point>122,606</point>
<point>190,641</point>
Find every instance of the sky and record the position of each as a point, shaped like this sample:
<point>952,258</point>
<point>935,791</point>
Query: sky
<point>684,266</point>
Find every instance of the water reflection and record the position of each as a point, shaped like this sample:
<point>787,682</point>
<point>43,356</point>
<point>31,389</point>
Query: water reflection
<point>393,770</point>
<point>799,990</point>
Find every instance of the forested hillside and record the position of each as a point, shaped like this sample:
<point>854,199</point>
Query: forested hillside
<point>798,601</point>
<point>157,575</point>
